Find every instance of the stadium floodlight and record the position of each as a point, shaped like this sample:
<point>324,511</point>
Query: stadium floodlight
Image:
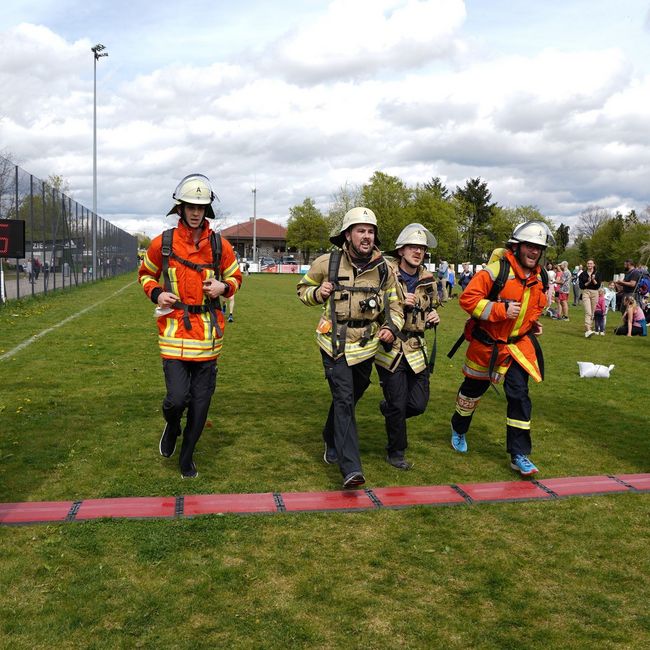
<point>98,51</point>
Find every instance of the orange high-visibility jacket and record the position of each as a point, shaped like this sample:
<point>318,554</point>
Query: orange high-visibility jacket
<point>511,333</point>
<point>202,341</point>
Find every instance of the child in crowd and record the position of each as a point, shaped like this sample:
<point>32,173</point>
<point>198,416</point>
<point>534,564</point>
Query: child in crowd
<point>599,313</point>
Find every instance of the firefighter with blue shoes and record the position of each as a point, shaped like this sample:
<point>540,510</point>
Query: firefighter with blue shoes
<point>505,301</point>
<point>405,366</point>
<point>358,296</point>
<point>185,272</point>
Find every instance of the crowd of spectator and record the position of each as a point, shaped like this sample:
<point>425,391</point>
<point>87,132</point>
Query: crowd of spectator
<point>630,296</point>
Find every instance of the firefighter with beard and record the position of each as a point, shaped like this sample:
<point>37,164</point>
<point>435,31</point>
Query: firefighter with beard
<point>403,368</point>
<point>198,267</point>
<point>502,336</point>
<point>357,293</point>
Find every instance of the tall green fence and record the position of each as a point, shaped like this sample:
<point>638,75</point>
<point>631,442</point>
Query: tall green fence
<point>58,238</point>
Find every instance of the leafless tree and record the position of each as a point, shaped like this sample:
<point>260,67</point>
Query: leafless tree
<point>346,198</point>
<point>7,179</point>
<point>591,218</point>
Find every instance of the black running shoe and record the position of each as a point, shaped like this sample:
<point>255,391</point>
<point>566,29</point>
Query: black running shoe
<point>354,479</point>
<point>189,472</point>
<point>399,462</point>
<point>167,445</point>
<point>330,456</point>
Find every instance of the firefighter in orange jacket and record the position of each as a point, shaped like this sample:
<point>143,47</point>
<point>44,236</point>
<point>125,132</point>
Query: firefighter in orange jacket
<point>503,345</point>
<point>198,266</point>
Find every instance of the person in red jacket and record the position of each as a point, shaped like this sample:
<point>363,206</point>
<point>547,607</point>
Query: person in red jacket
<point>503,345</point>
<point>198,267</point>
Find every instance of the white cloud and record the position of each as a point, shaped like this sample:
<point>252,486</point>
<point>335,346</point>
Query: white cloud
<point>358,39</point>
<point>363,86</point>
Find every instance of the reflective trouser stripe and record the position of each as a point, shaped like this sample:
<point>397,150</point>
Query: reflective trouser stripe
<point>520,424</point>
<point>518,416</point>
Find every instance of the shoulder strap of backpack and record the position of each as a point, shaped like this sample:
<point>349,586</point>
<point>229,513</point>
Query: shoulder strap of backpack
<point>383,274</point>
<point>215,243</point>
<point>500,280</point>
<point>333,277</point>
<point>166,250</point>
<point>544,274</point>
<point>333,267</point>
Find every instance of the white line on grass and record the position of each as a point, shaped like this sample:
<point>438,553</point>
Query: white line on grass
<point>31,339</point>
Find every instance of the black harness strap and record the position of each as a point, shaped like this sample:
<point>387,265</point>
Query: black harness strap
<point>497,286</point>
<point>210,305</point>
<point>338,337</point>
<point>333,277</point>
<point>480,335</point>
<point>434,346</point>
<point>454,348</point>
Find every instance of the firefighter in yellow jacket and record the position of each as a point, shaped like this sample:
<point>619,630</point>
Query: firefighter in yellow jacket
<point>197,266</point>
<point>503,340</point>
<point>403,367</point>
<point>354,286</point>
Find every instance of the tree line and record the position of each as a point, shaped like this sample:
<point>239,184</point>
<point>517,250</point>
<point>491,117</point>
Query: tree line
<point>468,224</point>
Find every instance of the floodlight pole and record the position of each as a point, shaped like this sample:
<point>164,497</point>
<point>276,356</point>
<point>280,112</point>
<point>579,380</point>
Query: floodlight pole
<point>254,225</point>
<point>97,53</point>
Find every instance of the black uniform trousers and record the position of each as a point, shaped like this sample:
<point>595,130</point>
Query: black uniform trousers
<point>515,387</point>
<point>406,394</point>
<point>347,385</point>
<point>190,385</point>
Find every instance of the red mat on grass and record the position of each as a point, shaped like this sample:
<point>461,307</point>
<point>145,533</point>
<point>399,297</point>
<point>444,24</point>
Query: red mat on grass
<point>127,507</point>
<point>368,499</point>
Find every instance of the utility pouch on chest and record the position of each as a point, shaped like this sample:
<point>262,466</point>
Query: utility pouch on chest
<point>324,325</point>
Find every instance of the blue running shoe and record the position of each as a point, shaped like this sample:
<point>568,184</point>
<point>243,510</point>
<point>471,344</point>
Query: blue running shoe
<point>521,464</point>
<point>458,442</point>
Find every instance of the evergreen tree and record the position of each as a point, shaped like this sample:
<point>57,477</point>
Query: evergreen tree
<point>475,210</point>
<point>437,188</point>
<point>561,238</point>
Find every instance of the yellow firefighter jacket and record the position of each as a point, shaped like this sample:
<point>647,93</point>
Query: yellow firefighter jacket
<point>354,311</point>
<point>412,346</point>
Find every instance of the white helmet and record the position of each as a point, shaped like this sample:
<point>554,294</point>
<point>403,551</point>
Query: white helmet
<point>532,232</point>
<point>417,235</point>
<point>196,189</point>
<point>353,217</point>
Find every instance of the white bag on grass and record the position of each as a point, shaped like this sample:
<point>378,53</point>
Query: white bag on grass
<point>588,369</point>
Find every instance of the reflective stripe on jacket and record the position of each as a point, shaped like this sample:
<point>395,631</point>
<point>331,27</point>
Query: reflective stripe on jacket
<point>202,341</point>
<point>510,333</point>
<point>358,338</point>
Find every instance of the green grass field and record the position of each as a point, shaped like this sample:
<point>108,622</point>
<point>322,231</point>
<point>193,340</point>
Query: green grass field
<point>80,418</point>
